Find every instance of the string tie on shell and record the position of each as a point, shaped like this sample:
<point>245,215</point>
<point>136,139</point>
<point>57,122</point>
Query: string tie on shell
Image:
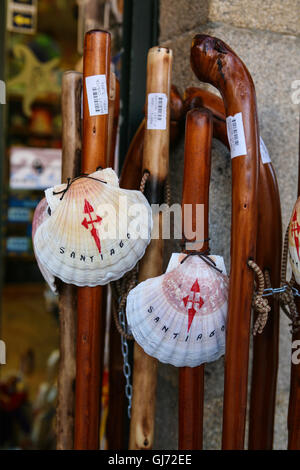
<point>70,181</point>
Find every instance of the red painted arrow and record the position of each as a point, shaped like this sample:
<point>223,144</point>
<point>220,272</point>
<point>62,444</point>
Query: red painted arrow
<point>192,311</point>
<point>88,209</point>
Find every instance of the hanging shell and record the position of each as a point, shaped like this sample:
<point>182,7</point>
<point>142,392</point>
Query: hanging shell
<point>96,231</point>
<point>294,241</point>
<point>180,317</point>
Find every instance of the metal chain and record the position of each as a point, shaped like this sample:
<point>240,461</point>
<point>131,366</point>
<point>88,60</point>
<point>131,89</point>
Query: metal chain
<point>121,289</point>
<point>126,365</point>
<point>278,290</point>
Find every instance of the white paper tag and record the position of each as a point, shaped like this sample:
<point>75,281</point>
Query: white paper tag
<point>176,259</point>
<point>236,135</point>
<point>97,94</point>
<point>157,111</point>
<point>264,153</point>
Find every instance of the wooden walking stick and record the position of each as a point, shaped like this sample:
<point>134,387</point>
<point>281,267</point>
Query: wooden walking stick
<point>91,320</point>
<point>156,161</point>
<point>294,398</point>
<point>71,163</point>
<point>214,62</point>
<point>131,176</point>
<point>197,164</point>
<point>268,257</point>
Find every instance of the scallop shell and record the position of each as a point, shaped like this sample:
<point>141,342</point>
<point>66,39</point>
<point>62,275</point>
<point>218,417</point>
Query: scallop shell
<point>294,241</point>
<point>180,317</point>
<point>40,215</point>
<point>96,231</point>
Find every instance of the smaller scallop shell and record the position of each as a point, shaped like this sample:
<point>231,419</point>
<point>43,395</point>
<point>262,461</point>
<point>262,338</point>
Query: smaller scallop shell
<point>294,241</point>
<point>180,317</point>
<point>95,231</point>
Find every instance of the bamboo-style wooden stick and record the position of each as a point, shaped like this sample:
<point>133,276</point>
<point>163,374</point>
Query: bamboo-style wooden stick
<point>268,257</point>
<point>294,399</point>
<point>156,161</point>
<point>91,320</point>
<point>71,163</point>
<point>214,62</point>
<point>197,164</point>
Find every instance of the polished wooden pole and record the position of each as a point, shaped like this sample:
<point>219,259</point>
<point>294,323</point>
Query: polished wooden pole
<point>91,320</point>
<point>156,161</point>
<point>197,165</point>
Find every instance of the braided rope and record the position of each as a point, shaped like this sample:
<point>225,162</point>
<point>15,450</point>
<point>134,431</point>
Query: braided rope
<point>259,303</point>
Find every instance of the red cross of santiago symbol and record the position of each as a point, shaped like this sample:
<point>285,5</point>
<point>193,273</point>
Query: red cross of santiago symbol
<point>296,231</point>
<point>195,289</point>
<point>88,209</point>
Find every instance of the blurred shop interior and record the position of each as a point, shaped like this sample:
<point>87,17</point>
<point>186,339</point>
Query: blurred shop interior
<point>39,41</point>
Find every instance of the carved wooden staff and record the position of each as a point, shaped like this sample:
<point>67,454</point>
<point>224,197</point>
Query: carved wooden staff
<point>91,320</point>
<point>156,161</point>
<point>197,164</point>
<point>71,163</point>
<point>294,399</point>
<point>214,62</point>
<point>268,257</point>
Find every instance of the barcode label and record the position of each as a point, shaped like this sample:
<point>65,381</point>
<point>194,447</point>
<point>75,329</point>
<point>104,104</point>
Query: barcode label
<point>264,153</point>
<point>97,94</point>
<point>157,111</point>
<point>236,135</point>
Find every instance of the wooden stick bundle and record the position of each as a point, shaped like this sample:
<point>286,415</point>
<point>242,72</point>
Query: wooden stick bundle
<point>268,257</point>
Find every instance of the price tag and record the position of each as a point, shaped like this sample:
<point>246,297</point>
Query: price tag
<point>157,111</point>
<point>264,153</point>
<point>97,94</point>
<point>236,135</point>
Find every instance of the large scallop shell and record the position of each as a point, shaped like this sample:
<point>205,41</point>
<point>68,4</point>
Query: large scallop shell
<point>180,317</point>
<point>294,241</point>
<point>96,231</point>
